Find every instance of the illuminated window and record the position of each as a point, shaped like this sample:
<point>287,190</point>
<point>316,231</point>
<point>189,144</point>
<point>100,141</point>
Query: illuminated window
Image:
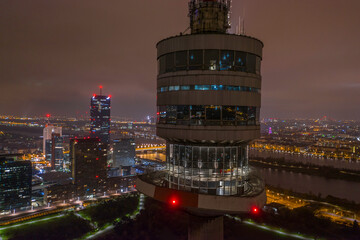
<point>211,59</point>
<point>226,60</point>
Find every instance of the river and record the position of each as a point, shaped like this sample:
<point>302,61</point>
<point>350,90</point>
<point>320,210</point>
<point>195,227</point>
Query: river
<point>341,164</point>
<point>304,183</point>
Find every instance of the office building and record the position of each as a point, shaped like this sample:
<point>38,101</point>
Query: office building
<point>89,163</point>
<point>57,152</point>
<point>208,112</point>
<point>100,117</point>
<point>124,154</point>
<point>15,182</point>
<point>47,136</point>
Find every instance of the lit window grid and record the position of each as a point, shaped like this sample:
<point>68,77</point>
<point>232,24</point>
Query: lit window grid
<point>208,169</point>
<point>207,88</point>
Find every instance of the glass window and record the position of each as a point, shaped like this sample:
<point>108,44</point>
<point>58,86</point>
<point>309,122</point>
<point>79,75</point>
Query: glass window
<point>211,59</point>
<point>185,88</point>
<point>240,61</point>
<point>226,60</point>
<point>251,63</point>
<point>202,87</point>
<point>228,115</point>
<point>257,116</point>
<point>213,115</point>
<point>251,115</point>
<point>217,87</point>
<point>171,114</point>
<point>174,88</point>
<point>162,61</point>
<point>197,113</point>
<point>241,115</point>
<point>163,89</point>
<point>170,63</point>
<point>258,65</point>
<point>195,59</point>
<point>161,114</point>
<point>183,114</point>
<point>181,60</point>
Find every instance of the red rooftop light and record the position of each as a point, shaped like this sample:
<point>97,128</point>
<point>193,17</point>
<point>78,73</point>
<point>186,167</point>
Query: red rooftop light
<point>48,115</point>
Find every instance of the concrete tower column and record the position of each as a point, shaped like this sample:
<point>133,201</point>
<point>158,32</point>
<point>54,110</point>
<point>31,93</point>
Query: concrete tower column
<point>205,228</point>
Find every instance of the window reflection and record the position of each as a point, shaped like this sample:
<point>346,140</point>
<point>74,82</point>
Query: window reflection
<point>208,115</point>
<point>226,60</point>
<point>209,59</point>
<point>195,59</point>
<point>181,60</point>
<point>208,87</point>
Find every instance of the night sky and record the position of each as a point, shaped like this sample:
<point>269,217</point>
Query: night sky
<point>54,54</point>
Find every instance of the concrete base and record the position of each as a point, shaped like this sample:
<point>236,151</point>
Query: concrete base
<point>205,228</point>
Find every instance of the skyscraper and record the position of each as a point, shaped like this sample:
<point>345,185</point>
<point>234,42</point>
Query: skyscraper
<point>100,117</point>
<point>57,152</point>
<point>47,136</point>
<point>124,154</point>
<point>15,179</point>
<point>208,112</point>
<point>89,163</point>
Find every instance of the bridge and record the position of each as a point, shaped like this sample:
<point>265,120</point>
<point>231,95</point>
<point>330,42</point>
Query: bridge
<point>150,147</point>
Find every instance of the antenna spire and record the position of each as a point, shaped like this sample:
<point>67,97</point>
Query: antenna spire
<point>101,87</point>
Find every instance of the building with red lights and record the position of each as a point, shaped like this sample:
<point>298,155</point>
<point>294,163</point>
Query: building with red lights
<point>208,103</point>
<point>100,117</point>
<point>89,163</point>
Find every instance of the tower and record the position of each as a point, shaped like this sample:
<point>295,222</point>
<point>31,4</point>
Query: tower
<point>100,117</point>
<point>208,112</point>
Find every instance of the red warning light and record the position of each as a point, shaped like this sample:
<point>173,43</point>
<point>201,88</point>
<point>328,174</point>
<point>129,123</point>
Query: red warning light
<point>255,210</point>
<point>100,86</point>
<point>110,96</point>
<point>48,115</point>
<point>97,176</point>
<point>173,201</point>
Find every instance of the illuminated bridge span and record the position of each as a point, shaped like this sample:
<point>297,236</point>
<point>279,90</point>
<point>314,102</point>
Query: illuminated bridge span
<point>150,147</point>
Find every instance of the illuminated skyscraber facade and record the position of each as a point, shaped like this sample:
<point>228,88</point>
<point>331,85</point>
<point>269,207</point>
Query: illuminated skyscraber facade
<point>89,163</point>
<point>100,117</point>
<point>208,111</point>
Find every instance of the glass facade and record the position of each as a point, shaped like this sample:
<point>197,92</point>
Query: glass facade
<point>100,118</point>
<point>209,115</point>
<point>15,179</point>
<point>208,169</point>
<point>207,88</point>
<point>209,59</point>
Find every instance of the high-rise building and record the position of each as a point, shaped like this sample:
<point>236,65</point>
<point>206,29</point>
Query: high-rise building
<point>89,163</point>
<point>100,117</point>
<point>208,112</point>
<point>47,136</point>
<point>57,152</point>
<point>124,154</point>
<point>15,182</point>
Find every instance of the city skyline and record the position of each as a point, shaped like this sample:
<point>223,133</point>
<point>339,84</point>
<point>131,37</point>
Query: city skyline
<point>54,65</point>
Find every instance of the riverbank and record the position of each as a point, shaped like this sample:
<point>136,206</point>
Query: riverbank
<point>314,170</point>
